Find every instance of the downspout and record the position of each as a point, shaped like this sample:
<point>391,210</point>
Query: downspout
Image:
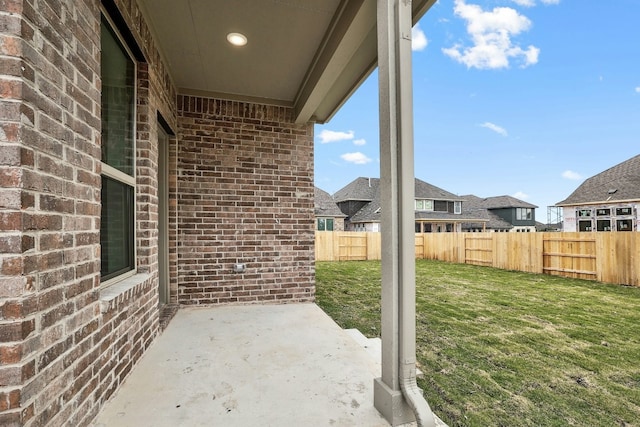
<point>407,294</point>
<point>397,392</point>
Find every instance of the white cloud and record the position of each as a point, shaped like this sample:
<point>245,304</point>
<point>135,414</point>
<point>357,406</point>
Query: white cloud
<point>574,176</point>
<point>356,158</point>
<point>638,89</point>
<point>531,3</point>
<point>491,34</point>
<point>327,136</point>
<point>525,3</point>
<point>360,141</point>
<point>419,40</point>
<point>497,129</point>
<point>521,195</point>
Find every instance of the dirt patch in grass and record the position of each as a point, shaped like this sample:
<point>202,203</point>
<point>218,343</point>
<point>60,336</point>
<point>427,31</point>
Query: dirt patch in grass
<point>502,348</point>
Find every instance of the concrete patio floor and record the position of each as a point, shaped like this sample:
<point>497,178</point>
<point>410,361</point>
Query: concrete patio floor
<point>268,365</point>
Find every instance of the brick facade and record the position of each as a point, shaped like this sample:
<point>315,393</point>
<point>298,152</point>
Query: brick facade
<point>244,195</point>
<point>241,191</point>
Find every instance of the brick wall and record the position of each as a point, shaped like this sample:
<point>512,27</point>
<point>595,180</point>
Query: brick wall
<point>240,192</point>
<point>244,190</point>
<point>50,170</point>
<point>66,343</point>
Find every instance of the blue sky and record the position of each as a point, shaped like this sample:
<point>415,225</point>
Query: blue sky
<point>511,97</point>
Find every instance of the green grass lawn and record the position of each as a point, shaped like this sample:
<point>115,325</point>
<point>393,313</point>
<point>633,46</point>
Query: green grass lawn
<point>502,348</point>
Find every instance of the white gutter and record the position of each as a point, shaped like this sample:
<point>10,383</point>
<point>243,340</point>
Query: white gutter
<point>396,393</point>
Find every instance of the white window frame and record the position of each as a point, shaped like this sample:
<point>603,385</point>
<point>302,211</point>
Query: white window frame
<point>117,175</point>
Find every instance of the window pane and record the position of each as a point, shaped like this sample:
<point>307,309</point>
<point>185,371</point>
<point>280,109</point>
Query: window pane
<point>623,211</point>
<point>320,224</point>
<point>603,225</point>
<point>624,225</point>
<point>116,228</point>
<point>440,206</point>
<point>584,225</point>
<point>329,224</point>
<point>118,103</point>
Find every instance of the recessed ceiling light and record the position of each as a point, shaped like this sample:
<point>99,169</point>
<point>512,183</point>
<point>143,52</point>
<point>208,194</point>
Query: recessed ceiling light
<point>237,39</point>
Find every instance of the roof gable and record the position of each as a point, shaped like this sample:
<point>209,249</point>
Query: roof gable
<point>324,205</point>
<point>361,189</point>
<point>497,202</point>
<point>620,182</point>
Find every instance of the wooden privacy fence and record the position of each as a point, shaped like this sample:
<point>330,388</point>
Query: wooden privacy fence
<point>606,257</point>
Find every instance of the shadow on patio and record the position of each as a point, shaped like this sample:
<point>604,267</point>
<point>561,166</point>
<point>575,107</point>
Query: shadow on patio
<point>246,366</point>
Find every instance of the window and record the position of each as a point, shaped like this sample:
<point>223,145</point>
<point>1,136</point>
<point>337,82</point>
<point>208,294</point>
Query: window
<point>603,212</point>
<point>325,224</point>
<point>457,208</point>
<point>424,205</point>
<point>582,213</point>
<point>603,225</point>
<point>523,214</point>
<point>624,225</point>
<point>117,224</point>
<point>584,226</point>
<point>623,211</point>
<point>440,206</point>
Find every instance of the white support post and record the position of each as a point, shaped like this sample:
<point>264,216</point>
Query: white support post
<point>396,395</point>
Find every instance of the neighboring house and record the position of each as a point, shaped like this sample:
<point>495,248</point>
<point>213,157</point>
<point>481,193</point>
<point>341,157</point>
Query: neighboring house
<point>503,214</point>
<point>329,217</point>
<point>436,210</point>
<point>142,159</point>
<point>608,201</point>
<point>548,227</point>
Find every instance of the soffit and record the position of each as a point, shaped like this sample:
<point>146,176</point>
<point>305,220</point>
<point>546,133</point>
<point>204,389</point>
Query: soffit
<point>306,54</point>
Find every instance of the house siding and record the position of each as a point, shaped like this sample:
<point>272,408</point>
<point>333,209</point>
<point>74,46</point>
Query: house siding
<point>66,342</point>
<point>571,220</point>
<point>509,215</point>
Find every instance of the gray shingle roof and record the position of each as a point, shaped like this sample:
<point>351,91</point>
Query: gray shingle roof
<point>476,206</point>
<point>368,189</point>
<point>502,202</point>
<point>324,205</point>
<point>424,190</point>
<point>620,182</point>
<point>359,189</point>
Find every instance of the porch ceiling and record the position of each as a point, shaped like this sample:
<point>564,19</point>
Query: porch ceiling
<point>306,54</point>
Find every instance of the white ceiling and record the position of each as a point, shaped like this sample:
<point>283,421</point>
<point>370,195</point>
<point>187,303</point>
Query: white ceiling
<point>306,54</point>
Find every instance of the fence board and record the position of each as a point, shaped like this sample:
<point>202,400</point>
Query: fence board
<point>352,246</point>
<point>618,259</point>
<point>607,257</point>
<point>478,249</point>
<point>570,255</point>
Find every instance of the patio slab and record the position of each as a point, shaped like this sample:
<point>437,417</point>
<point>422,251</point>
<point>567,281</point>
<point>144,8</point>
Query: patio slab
<point>268,365</point>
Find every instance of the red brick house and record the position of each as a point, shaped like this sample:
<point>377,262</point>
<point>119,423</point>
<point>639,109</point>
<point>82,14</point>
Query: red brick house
<point>144,161</point>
